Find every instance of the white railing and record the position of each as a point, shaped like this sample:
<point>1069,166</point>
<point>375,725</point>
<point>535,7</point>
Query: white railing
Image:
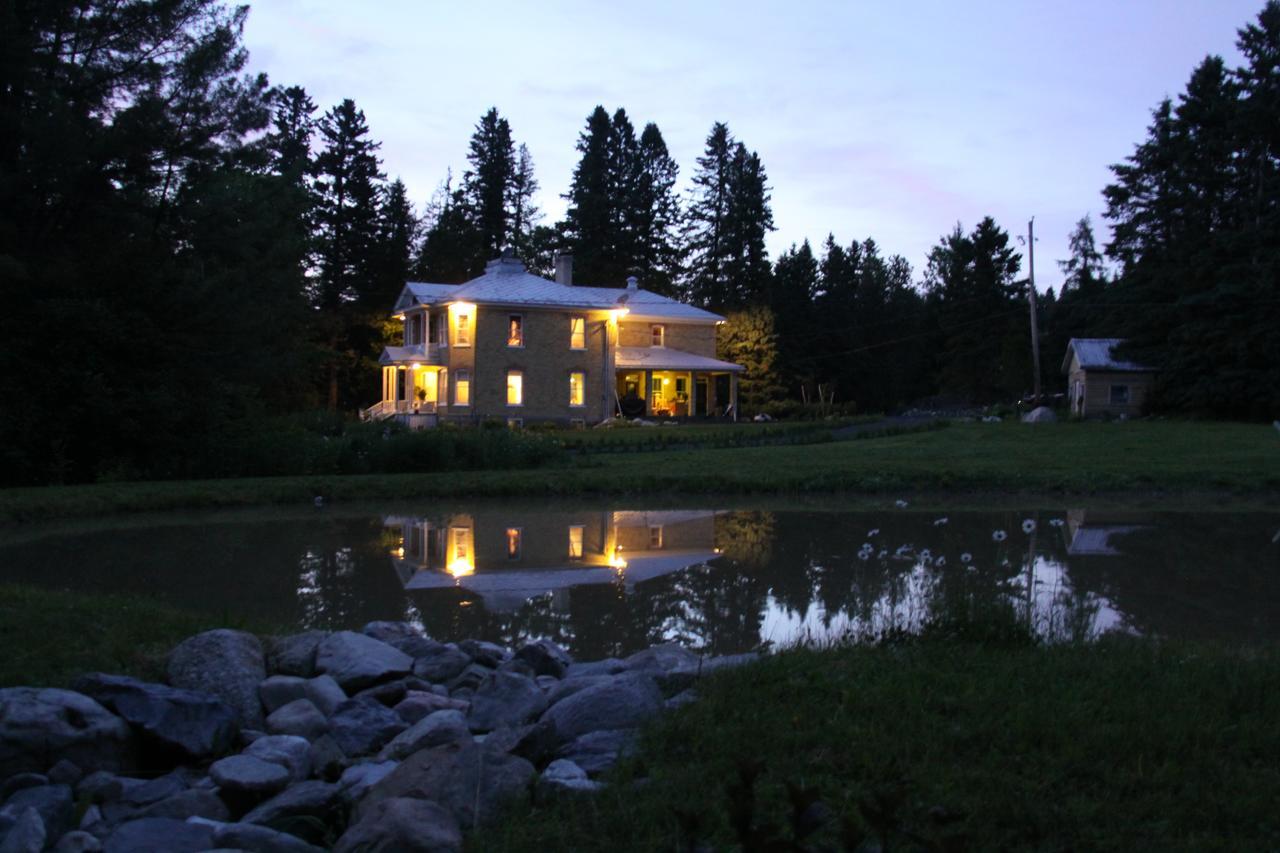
<point>389,408</point>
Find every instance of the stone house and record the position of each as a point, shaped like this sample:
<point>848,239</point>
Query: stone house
<point>513,346</point>
<point>1099,384</point>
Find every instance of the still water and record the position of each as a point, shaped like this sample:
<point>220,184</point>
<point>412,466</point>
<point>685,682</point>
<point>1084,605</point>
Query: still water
<point>608,581</point>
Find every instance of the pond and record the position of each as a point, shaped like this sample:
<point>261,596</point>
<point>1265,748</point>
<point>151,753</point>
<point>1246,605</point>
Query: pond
<point>610,580</point>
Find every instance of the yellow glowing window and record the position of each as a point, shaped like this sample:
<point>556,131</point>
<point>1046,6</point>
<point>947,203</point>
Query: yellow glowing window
<point>515,331</point>
<point>513,543</point>
<point>575,541</point>
<point>462,543</point>
<point>462,335</point>
<point>462,388</point>
<point>577,394</point>
<point>515,388</point>
<point>577,333</point>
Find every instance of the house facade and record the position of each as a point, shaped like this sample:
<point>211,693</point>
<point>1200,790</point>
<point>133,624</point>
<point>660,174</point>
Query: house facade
<point>516,347</point>
<point>1099,384</point>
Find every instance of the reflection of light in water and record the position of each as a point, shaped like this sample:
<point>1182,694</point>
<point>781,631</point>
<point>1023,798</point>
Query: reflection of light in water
<point>461,567</point>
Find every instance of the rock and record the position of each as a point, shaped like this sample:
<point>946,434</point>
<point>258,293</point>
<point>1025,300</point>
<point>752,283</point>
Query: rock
<point>53,803</point>
<point>291,752</point>
<point>546,682</point>
<point>26,835</point>
<point>327,758</point>
<point>728,661</point>
<point>389,632</point>
<point>65,773</point>
<point>99,787</point>
<point>356,661</point>
<point>194,802</point>
<point>403,824</point>
<point>443,663</point>
<point>19,781</point>
<point>505,699</point>
<point>295,654</point>
<point>417,704</point>
<point>249,775</point>
<point>433,730</point>
<point>469,679</point>
<point>39,726</point>
<point>260,839</point>
<point>684,697</point>
<point>363,726</point>
<point>175,725</point>
<point>416,646</point>
<point>320,802</point>
<point>140,793</point>
<point>300,717</point>
<point>359,778</point>
<point>536,744</point>
<point>1040,415</point>
<point>92,821</point>
<point>159,835</point>
<point>624,701</point>
<point>518,667</point>
<point>608,666</point>
<point>228,664</point>
<point>546,658</point>
<point>389,694</point>
<point>596,752</point>
<point>671,665</point>
<point>564,778</point>
<point>469,781</point>
<point>275,691</point>
<point>484,653</point>
<point>78,841</point>
<point>566,688</point>
<point>325,693</point>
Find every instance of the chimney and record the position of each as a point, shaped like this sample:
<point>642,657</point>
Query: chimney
<point>564,269</point>
<point>633,283</point>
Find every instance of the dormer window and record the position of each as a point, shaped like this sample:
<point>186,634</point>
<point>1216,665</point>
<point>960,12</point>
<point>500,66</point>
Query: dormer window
<point>515,330</point>
<point>657,336</point>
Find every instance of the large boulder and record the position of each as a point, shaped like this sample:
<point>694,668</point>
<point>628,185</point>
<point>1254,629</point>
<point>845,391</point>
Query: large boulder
<point>300,717</point>
<point>670,664</point>
<point>403,825</point>
<point>363,725</point>
<point>159,835</point>
<point>563,778</point>
<point>1040,415</point>
<point>53,803</point>
<point>357,779</point>
<point>418,704</point>
<point>78,841</point>
<point>40,726</point>
<point>193,802</point>
<point>288,751</point>
<point>505,699</point>
<point>250,776</point>
<point>545,657</point>
<point>432,730</point>
<point>622,702</point>
<point>356,661</point>
<point>26,835</point>
<point>175,725</point>
<point>303,810</point>
<point>390,632</point>
<point>259,839</point>
<point>295,654</point>
<point>596,752</point>
<point>441,663</point>
<point>229,664</point>
<point>472,782</point>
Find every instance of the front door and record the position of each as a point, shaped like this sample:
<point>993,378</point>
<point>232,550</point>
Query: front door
<point>700,397</point>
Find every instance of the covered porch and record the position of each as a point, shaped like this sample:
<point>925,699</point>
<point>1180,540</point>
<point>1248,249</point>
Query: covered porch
<point>662,382</point>
<point>413,390</point>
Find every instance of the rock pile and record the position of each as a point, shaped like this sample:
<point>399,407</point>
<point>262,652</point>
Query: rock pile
<point>378,740</point>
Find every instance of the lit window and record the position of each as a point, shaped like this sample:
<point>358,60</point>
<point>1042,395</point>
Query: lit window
<point>1119,395</point>
<point>515,388</point>
<point>515,331</point>
<point>655,537</point>
<point>513,543</point>
<point>575,542</point>
<point>658,336</point>
<point>462,388</point>
<point>577,333</point>
<point>576,393</point>
<point>462,336</point>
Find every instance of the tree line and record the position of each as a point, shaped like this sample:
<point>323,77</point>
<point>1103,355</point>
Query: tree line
<point>186,248</point>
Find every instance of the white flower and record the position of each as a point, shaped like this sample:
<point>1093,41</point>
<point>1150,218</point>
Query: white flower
<point>938,522</point>
<point>883,553</point>
<point>872,532</point>
<point>1028,525</point>
<point>926,555</point>
<point>864,555</point>
<point>966,557</point>
<point>999,536</point>
<point>1056,522</point>
<point>900,504</point>
<point>940,562</point>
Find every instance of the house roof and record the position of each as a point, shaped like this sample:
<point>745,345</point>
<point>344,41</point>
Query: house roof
<point>665,358</point>
<point>396,355</point>
<point>507,282</point>
<point>1095,354</point>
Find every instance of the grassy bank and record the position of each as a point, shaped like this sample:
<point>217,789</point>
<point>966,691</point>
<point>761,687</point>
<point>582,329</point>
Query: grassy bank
<point>1077,458</point>
<point>944,745</point>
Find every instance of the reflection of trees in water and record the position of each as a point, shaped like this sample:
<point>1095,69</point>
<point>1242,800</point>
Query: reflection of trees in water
<point>344,578</point>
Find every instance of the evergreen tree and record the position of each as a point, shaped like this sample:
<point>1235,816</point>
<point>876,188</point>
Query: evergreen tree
<point>449,245</point>
<point>398,227</point>
<point>709,210</point>
<point>489,185</point>
<point>794,285</point>
<point>525,214</point>
<point>748,337</point>
<point>656,216</point>
<point>749,223</point>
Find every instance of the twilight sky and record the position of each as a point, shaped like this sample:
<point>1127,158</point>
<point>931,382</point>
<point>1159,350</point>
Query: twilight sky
<point>891,120</point>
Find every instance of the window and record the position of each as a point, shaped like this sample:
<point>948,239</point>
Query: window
<point>462,388</point>
<point>575,542</point>
<point>1119,395</point>
<point>655,537</point>
<point>577,333</point>
<point>415,329</point>
<point>577,393</point>
<point>462,336</point>
<point>436,329</point>
<point>658,336</point>
<point>515,330</point>
<point>513,543</point>
<point>515,388</point>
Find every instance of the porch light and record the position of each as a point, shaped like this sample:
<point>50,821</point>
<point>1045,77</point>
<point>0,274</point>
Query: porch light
<point>618,313</point>
<point>399,316</point>
<point>415,366</point>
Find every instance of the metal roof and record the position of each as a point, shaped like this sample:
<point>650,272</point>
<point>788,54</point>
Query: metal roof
<point>507,282</point>
<point>395,355</point>
<point>665,358</point>
<point>1095,354</point>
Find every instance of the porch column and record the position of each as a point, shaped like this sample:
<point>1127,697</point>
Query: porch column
<point>693,394</point>
<point>733,395</point>
<point>648,393</point>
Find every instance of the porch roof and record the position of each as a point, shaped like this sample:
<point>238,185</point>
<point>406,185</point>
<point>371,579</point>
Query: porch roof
<point>665,358</point>
<point>405,355</point>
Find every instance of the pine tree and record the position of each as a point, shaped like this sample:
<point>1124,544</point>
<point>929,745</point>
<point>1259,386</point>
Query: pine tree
<point>449,245</point>
<point>590,229</point>
<point>656,215</point>
<point>706,280</point>
<point>488,185</point>
<point>794,285</point>
<point>398,228</point>
<point>525,214</point>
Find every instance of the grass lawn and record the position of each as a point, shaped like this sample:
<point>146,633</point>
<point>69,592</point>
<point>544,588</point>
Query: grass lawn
<point>1079,458</point>
<point>937,745</point>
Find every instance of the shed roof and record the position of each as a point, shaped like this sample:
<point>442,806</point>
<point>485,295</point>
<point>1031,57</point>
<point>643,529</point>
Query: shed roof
<point>1095,354</point>
<point>507,282</point>
<point>665,358</point>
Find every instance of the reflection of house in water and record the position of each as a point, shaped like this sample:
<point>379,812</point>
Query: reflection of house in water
<point>508,557</point>
<point>1090,534</point>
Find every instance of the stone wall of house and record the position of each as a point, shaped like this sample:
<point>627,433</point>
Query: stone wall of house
<point>699,339</point>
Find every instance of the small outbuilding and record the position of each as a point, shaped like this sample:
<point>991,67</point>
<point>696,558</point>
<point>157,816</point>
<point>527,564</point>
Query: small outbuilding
<point>1100,384</point>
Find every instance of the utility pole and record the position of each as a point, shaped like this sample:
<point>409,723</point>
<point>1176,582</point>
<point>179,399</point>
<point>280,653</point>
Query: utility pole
<point>1031,298</point>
